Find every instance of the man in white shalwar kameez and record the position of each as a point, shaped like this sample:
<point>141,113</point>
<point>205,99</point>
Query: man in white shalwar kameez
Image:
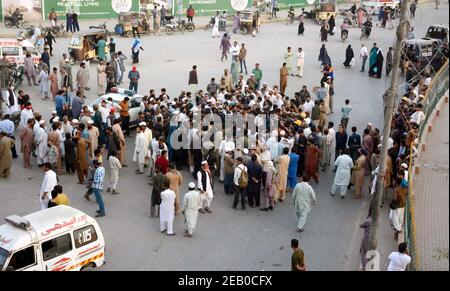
<point>272,145</point>
<point>300,62</point>
<point>167,210</point>
<point>49,182</point>
<point>139,150</point>
<point>25,114</point>
<point>303,196</point>
<point>191,205</point>
<point>344,165</point>
<point>148,139</point>
<point>226,145</point>
<point>114,167</point>
<point>204,177</point>
<point>41,141</point>
<point>215,30</point>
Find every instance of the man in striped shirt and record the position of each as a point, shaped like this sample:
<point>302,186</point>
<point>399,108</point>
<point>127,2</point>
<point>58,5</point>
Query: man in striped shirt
<point>97,186</point>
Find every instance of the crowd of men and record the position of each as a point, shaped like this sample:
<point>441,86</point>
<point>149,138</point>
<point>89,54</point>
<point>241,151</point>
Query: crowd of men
<point>257,167</point>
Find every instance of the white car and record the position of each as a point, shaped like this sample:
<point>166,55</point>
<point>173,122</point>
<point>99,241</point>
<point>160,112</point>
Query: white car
<point>134,104</point>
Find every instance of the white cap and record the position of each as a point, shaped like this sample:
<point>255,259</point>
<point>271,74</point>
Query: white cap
<point>282,133</point>
<point>245,151</point>
<point>56,119</point>
<point>75,121</point>
<point>307,121</point>
<point>404,165</point>
<point>142,123</point>
<point>90,122</point>
<point>54,112</point>
<point>42,121</point>
<point>176,112</point>
<point>173,103</point>
<point>191,185</point>
<point>228,148</point>
<point>204,163</point>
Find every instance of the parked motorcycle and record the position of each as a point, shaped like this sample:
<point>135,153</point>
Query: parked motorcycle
<point>29,32</point>
<point>100,27</point>
<point>56,30</point>
<point>291,17</point>
<point>180,25</point>
<point>16,74</point>
<point>20,23</point>
<point>210,23</point>
<point>365,32</point>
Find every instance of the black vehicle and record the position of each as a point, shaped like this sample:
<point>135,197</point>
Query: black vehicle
<point>425,54</point>
<point>438,32</point>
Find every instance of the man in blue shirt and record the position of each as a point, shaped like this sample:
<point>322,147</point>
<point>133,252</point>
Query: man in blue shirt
<point>97,186</point>
<point>6,125</point>
<point>321,92</point>
<point>59,103</point>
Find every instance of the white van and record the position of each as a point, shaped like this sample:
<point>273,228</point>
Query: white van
<point>15,50</point>
<point>59,238</point>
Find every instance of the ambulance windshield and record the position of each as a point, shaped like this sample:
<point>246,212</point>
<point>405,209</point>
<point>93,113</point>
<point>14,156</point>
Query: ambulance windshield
<point>3,256</point>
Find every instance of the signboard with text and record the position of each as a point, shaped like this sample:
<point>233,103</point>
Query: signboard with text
<point>209,7</point>
<point>89,9</point>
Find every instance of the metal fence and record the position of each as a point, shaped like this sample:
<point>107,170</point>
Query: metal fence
<point>436,91</point>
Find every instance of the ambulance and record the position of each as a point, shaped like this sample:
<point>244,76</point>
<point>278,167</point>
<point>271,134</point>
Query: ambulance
<point>59,238</point>
<point>16,50</point>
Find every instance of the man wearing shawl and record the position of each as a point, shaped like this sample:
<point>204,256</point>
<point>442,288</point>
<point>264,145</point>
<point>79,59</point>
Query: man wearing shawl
<point>136,48</point>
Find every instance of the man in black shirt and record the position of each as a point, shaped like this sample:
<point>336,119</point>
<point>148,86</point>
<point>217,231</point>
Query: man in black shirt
<point>354,144</point>
<point>301,149</point>
<point>341,141</point>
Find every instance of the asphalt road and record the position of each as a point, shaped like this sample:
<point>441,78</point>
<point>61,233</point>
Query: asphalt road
<point>230,239</point>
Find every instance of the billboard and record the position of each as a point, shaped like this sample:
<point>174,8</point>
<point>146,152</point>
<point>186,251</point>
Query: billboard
<point>209,7</point>
<point>30,9</point>
<point>89,9</point>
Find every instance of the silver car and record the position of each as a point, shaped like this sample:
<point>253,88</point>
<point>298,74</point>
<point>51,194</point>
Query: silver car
<point>134,104</point>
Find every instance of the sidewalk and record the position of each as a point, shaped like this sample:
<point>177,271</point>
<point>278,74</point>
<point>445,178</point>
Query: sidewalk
<point>431,190</point>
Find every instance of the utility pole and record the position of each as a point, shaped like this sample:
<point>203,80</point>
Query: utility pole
<point>390,103</point>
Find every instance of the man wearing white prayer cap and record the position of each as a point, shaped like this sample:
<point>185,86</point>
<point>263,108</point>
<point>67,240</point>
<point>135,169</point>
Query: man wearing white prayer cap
<point>205,185</point>
<point>190,206</point>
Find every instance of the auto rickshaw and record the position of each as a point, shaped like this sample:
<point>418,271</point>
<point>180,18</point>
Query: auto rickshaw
<point>323,11</point>
<point>84,46</point>
<point>124,27</point>
<point>248,16</point>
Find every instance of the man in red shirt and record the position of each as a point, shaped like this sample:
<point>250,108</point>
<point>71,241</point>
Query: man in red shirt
<point>162,162</point>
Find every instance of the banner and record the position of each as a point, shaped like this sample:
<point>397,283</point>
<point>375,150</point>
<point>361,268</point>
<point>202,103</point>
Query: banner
<point>30,9</point>
<point>209,7</point>
<point>89,9</point>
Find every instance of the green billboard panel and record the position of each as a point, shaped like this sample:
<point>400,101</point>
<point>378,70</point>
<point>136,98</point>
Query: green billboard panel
<point>89,9</point>
<point>209,7</point>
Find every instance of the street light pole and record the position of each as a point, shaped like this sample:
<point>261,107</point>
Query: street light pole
<point>390,103</point>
